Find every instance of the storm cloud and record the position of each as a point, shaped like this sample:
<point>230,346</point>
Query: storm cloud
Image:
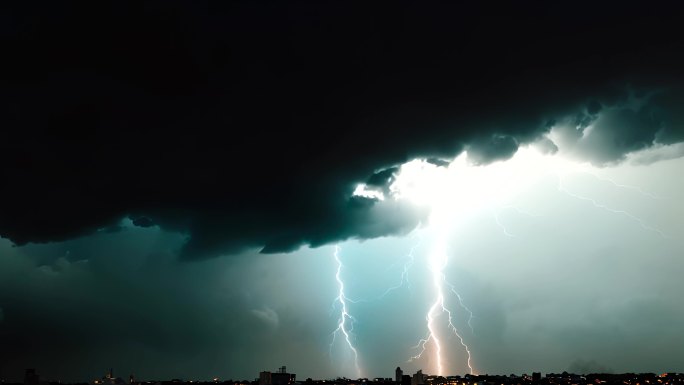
<point>141,141</point>
<point>573,286</point>
<point>122,300</point>
<point>248,125</point>
<point>607,134</point>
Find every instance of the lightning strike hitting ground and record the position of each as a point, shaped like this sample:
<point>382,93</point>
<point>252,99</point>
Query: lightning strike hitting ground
<point>438,261</point>
<point>345,325</point>
<point>458,191</point>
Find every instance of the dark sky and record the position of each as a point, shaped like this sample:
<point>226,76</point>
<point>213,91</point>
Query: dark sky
<point>148,146</point>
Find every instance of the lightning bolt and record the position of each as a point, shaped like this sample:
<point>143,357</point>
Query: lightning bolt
<point>463,306</point>
<point>345,324</point>
<point>346,321</point>
<point>404,274</point>
<point>594,203</point>
<point>403,280</point>
<point>438,262</point>
<point>495,214</point>
<point>625,186</point>
<point>474,190</point>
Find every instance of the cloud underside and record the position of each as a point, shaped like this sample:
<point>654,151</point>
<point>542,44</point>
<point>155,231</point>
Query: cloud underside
<point>259,143</point>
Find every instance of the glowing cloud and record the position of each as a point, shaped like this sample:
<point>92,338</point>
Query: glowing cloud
<point>460,190</point>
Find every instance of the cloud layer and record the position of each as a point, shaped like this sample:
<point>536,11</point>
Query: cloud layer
<point>249,125</point>
<point>572,286</point>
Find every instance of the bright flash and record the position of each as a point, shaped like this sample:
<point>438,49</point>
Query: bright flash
<point>464,187</point>
<point>457,192</point>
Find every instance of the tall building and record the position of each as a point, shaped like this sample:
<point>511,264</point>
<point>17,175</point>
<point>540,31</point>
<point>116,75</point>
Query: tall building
<point>31,378</point>
<point>418,378</point>
<point>109,379</point>
<point>264,378</point>
<point>398,373</point>
<point>405,379</point>
<point>281,377</point>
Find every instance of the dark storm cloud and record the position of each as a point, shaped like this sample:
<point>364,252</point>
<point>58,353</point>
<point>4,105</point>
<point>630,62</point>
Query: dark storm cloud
<point>438,162</point>
<point>249,124</point>
<point>122,300</point>
<point>143,222</point>
<point>383,178</point>
<point>496,147</point>
<point>605,134</point>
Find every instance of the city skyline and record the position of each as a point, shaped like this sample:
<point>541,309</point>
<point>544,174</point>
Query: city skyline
<point>281,376</point>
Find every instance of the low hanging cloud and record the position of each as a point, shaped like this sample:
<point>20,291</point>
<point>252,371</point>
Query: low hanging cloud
<point>159,318</point>
<point>258,143</point>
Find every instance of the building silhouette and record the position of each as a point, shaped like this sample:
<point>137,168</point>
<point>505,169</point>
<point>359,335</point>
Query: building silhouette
<point>31,377</point>
<point>418,378</point>
<point>281,377</point>
<point>109,379</point>
<point>398,373</point>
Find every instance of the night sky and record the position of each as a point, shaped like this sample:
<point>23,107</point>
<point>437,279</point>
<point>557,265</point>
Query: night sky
<point>188,186</point>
